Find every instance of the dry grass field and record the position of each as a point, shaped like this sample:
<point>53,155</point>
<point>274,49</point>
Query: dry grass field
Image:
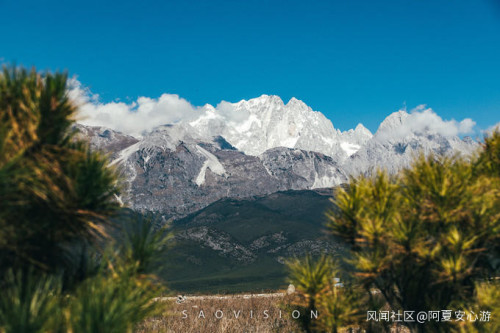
<point>236,313</point>
<point>257,313</point>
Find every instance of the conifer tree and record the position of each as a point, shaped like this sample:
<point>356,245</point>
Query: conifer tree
<point>54,191</point>
<point>57,199</point>
<point>426,239</point>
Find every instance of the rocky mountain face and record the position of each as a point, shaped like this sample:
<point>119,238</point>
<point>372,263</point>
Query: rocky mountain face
<point>397,142</point>
<point>258,147</point>
<point>262,123</point>
<point>105,139</point>
<point>243,243</point>
<point>173,171</point>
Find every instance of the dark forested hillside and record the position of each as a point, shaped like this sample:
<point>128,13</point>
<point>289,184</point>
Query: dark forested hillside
<point>240,245</point>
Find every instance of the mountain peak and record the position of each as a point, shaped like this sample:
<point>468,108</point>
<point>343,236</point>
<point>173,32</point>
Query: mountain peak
<point>360,128</point>
<point>209,108</point>
<point>265,99</point>
<point>297,103</point>
<point>393,121</point>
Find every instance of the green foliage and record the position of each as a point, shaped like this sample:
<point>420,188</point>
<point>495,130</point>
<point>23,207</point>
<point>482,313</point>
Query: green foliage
<point>487,303</point>
<point>310,277</point>
<point>53,189</point>
<point>488,161</point>
<point>488,299</point>
<point>29,303</point>
<point>426,239</point>
<point>112,301</point>
<point>145,245</point>
<point>57,198</point>
<point>318,290</point>
<point>121,293</point>
<point>341,307</point>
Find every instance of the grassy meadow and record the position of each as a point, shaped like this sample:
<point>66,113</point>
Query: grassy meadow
<point>228,306</point>
<point>185,317</point>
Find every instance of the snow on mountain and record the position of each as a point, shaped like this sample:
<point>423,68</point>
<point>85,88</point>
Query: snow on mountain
<point>354,139</point>
<point>175,170</point>
<point>262,123</point>
<point>211,163</point>
<point>402,136</point>
<point>261,146</point>
<point>104,138</point>
<point>257,125</point>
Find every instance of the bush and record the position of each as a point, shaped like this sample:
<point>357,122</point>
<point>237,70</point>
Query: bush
<point>57,201</point>
<point>54,192</point>
<point>112,301</point>
<point>30,303</point>
<point>338,305</point>
<point>426,238</point>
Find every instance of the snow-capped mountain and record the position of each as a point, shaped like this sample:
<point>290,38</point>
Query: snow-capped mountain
<point>248,183</point>
<point>175,171</point>
<point>399,139</point>
<point>262,123</point>
<point>262,146</point>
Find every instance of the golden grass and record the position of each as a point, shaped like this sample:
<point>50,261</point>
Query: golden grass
<point>249,310</point>
<point>174,320</point>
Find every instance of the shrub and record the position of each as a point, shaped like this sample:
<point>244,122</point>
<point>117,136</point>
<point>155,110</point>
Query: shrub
<point>424,239</point>
<point>57,201</point>
<point>54,191</point>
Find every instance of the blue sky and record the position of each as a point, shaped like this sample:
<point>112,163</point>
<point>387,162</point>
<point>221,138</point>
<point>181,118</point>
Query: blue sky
<point>355,61</point>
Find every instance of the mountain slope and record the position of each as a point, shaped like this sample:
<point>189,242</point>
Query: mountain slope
<point>399,140</point>
<point>242,244</point>
<point>242,182</point>
<point>262,146</point>
<point>171,170</point>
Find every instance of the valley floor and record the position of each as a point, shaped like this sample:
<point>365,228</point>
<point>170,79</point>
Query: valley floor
<point>248,313</point>
<point>224,313</point>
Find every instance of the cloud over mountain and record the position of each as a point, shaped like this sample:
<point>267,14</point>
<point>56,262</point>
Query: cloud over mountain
<point>146,113</point>
<point>421,120</point>
<point>131,118</point>
<point>495,127</point>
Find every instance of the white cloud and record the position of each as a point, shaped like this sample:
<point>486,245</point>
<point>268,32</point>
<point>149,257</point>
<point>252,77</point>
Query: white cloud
<point>230,113</point>
<point>145,113</point>
<point>428,120</point>
<point>491,129</point>
<point>466,126</point>
<point>131,118</point>
<point>422,120</point>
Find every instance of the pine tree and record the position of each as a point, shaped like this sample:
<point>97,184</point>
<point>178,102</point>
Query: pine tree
<point>57,204</point>
<point>54,191</point>
<point>426,239</point>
